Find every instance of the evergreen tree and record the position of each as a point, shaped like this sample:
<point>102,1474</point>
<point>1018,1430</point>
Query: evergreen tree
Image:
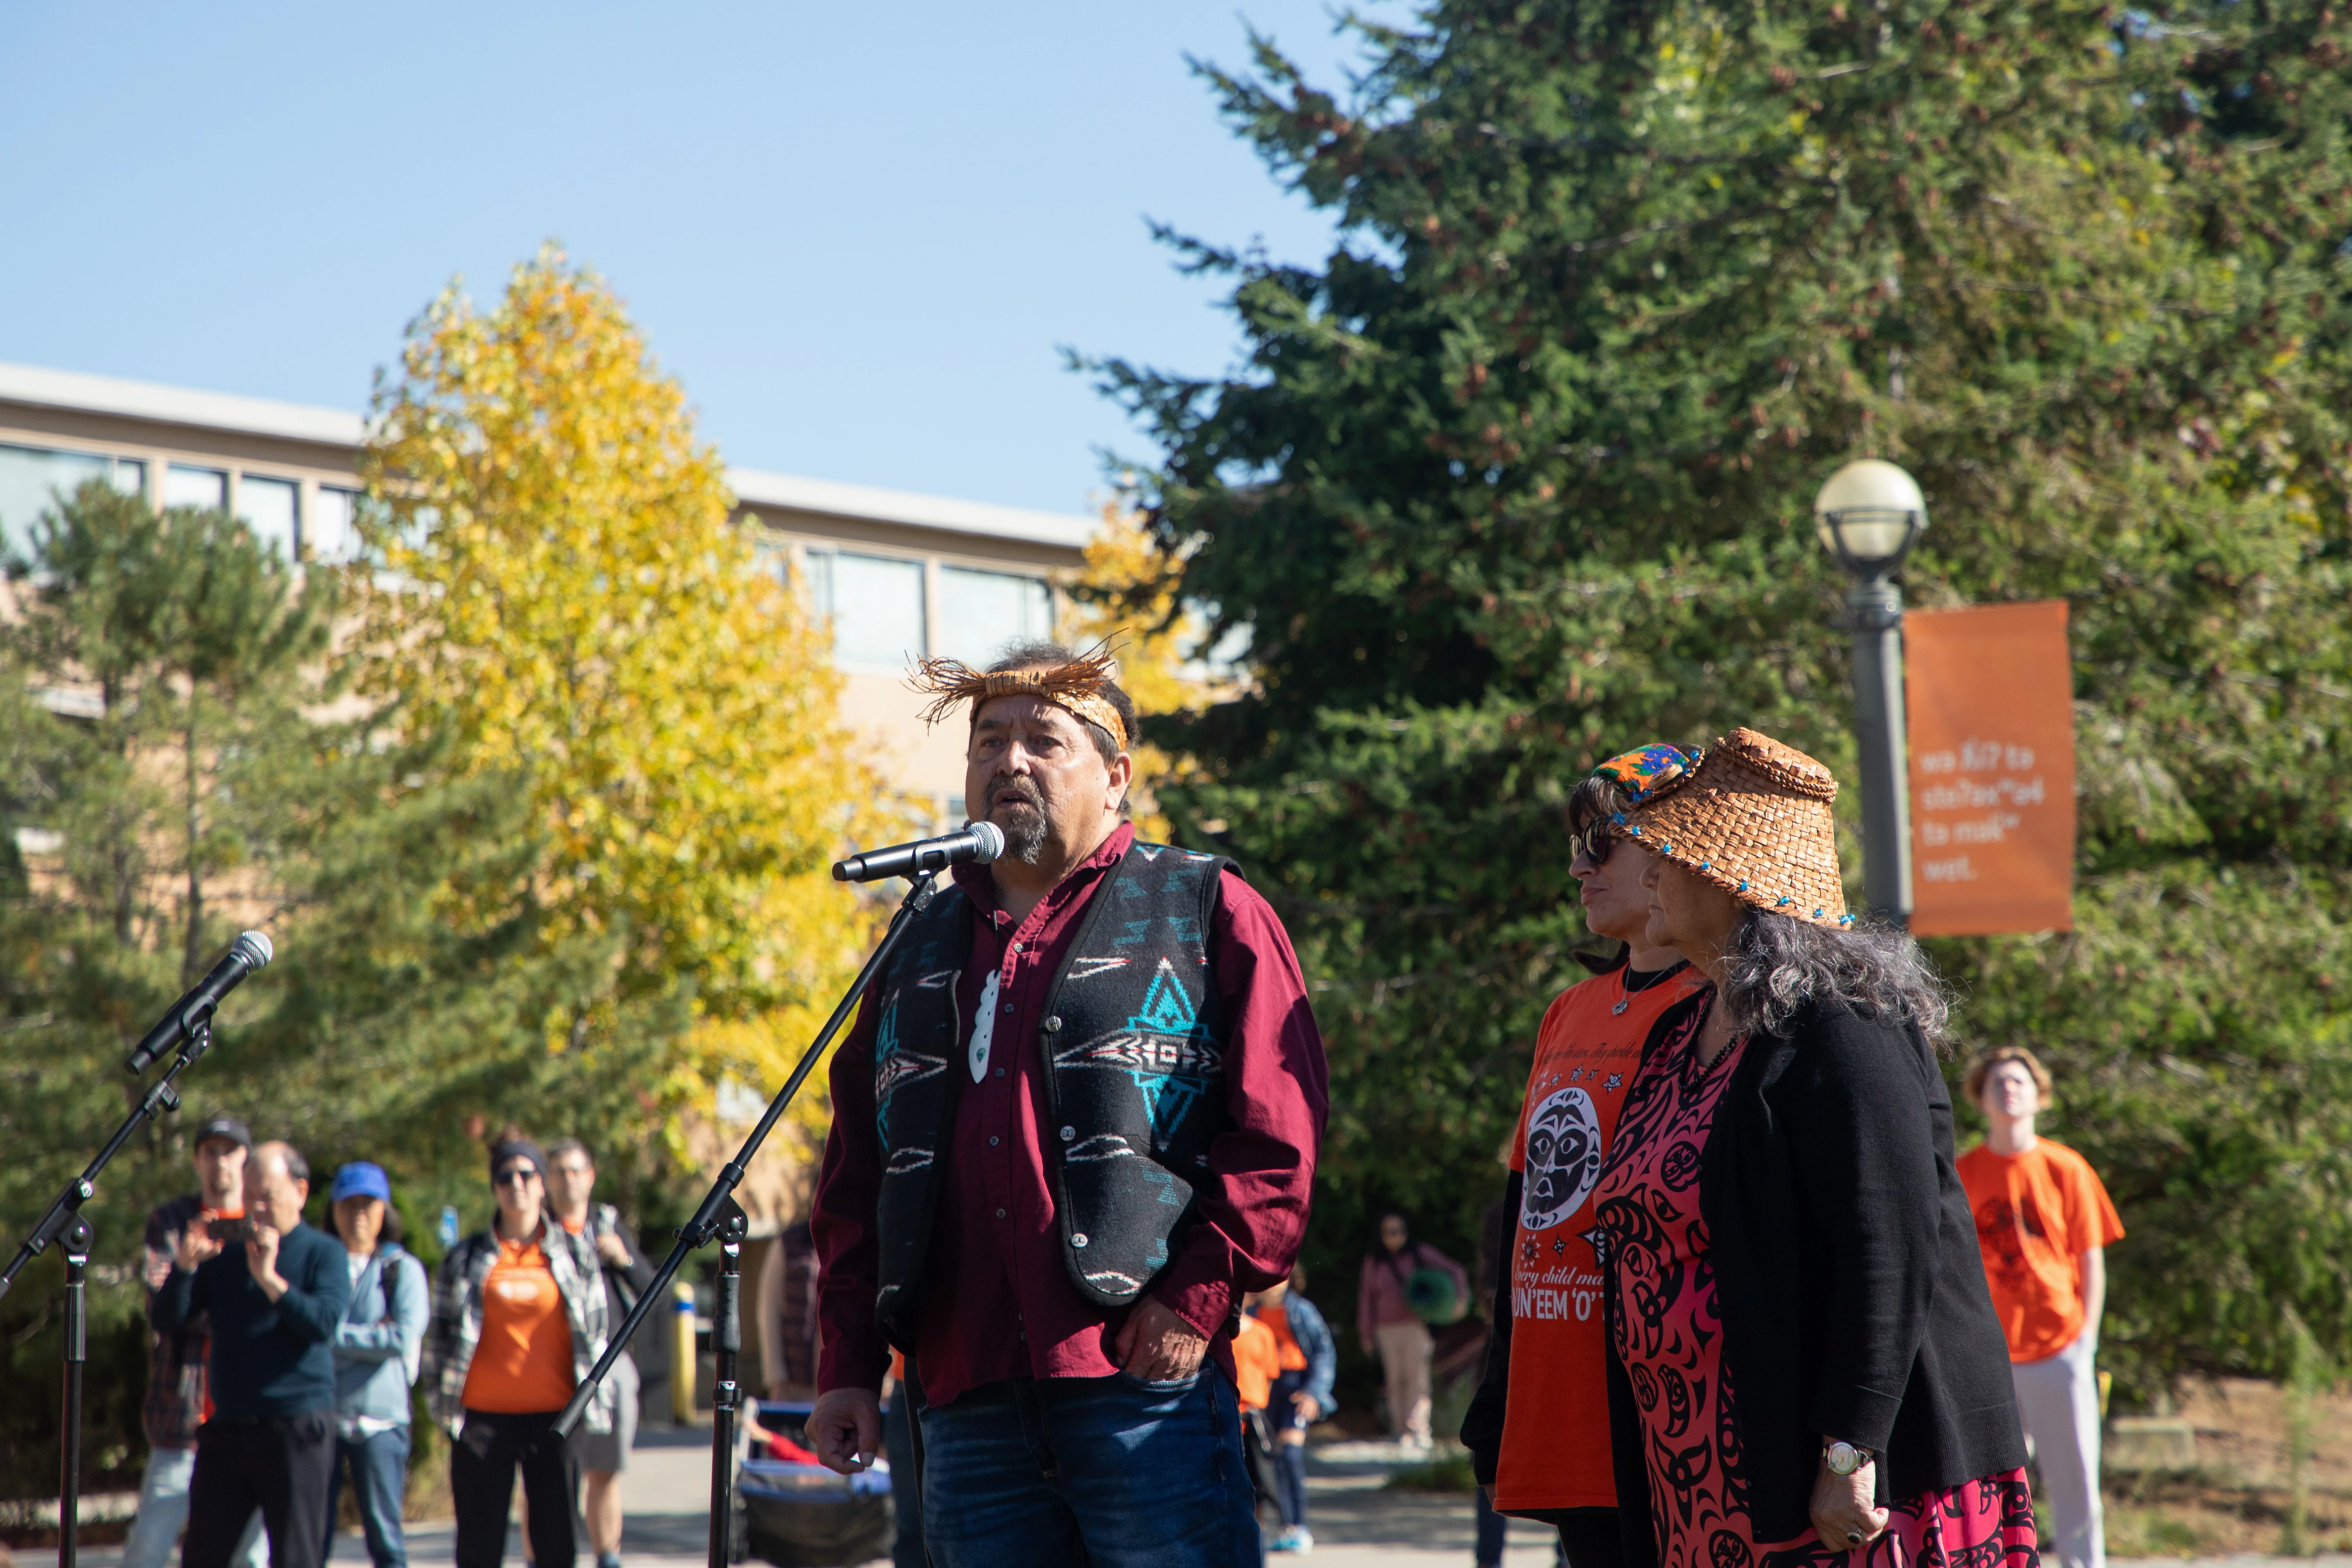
<point>1520,476</point>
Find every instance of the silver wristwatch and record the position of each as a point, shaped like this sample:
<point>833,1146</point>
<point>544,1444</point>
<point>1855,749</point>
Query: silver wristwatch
<point>1843,1458</point>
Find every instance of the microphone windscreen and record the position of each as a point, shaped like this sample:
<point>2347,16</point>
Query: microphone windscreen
<point>258,946</point>
<point>991,839</point>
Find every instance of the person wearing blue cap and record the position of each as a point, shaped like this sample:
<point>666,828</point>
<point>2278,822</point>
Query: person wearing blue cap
<point>377,1348</point>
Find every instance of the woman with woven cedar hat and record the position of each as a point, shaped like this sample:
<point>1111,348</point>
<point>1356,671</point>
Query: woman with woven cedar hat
<point>1805,1363</point>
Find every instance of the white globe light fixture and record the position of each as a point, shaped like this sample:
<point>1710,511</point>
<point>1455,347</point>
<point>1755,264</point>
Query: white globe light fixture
<point>1869,515</point>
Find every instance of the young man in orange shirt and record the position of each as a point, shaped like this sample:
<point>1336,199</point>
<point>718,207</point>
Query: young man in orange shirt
<point>2044,1223</point>
<point>1537,1429</point>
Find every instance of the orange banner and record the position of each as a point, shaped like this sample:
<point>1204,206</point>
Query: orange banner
<point>1991,694</point>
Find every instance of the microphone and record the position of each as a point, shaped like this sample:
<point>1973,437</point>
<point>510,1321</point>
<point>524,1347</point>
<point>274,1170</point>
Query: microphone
<point>192,1011</point>
<point>978,843</point>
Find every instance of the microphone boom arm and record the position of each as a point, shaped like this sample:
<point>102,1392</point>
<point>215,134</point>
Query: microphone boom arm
<point>161,1095</point>
<point>713,1213</point>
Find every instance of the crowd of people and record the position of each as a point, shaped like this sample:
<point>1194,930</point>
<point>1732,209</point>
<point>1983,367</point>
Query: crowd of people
<point>284,1359</point>
<point>1744,1300</point>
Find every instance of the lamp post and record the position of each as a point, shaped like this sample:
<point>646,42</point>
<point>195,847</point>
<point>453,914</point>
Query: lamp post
<point>1868,516</point>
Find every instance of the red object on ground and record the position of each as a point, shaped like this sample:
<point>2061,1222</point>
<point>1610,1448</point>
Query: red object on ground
<point>790,1452</point>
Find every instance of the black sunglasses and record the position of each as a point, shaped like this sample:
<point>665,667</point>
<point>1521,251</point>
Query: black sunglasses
<point>1594,843</point>
<point>517,1175</point>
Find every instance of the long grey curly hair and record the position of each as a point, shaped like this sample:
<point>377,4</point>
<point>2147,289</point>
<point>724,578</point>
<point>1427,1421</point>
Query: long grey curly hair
<point>1775,966</point>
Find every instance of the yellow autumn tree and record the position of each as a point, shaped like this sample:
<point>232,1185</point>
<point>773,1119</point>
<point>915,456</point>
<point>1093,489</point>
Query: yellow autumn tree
<point>1126,594</point>
<point>565,598</point>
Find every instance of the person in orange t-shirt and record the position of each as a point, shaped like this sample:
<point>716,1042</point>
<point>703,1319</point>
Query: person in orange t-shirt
<point>520,1315</point>
<point>1307,1359</point>
<point>2044,1223</point>
<point>1258,1362</point>
<point>1537,1429</point>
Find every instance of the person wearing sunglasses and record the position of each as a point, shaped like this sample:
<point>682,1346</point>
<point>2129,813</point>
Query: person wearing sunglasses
<point>1537,1429</point>
<point>520,1317</point>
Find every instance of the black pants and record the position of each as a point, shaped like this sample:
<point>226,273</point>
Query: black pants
<point>481,1481</point>
<point>279,1465</point>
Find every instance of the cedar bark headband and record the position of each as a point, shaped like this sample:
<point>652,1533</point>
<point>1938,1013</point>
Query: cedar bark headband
<point>1075,688</point>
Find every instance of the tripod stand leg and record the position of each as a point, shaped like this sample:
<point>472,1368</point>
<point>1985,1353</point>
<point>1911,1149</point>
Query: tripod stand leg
<point>726,1394</point>
<point>75,1242</point>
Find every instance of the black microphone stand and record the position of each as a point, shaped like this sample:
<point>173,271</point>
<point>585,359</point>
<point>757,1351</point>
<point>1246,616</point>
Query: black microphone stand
<point>63,1224</point>
<point>721,1215</point>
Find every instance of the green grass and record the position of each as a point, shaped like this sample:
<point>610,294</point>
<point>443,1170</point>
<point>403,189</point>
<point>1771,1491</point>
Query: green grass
<point>1445,1473</point>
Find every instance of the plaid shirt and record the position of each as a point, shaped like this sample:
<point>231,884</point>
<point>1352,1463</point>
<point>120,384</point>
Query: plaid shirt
<point>458,1319</point>
<point>176,1361</point>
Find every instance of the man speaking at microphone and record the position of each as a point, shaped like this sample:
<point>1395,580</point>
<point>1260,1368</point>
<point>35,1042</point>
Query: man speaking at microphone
<point>1075,1120</point>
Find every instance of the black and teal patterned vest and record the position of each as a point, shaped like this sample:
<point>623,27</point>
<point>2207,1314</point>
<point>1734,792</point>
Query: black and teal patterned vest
<point>1132,1038</point>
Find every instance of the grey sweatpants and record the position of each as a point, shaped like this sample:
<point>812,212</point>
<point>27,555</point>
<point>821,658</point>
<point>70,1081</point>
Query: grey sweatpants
<point>2059,1401</point>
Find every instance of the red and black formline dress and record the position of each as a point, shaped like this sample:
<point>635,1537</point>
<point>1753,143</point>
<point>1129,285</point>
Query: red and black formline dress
<point>1668,1333</point>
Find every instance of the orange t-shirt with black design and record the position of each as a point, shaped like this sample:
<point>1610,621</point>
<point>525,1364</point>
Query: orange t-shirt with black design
<point>2037,1212</point>
<point>523,1362</point>
<point>1556,1422</point>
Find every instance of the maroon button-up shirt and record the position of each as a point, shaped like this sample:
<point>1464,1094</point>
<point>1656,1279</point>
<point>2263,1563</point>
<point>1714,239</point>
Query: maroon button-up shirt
<point>1000,1303</point>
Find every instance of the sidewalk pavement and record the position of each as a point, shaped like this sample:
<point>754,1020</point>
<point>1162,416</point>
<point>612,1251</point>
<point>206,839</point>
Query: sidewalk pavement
<point>665,1491</point>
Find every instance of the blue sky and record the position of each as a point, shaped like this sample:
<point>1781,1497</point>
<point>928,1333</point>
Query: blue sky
<point>860,234</point>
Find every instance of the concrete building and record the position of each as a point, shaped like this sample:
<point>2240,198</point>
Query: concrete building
<point>898,573</point>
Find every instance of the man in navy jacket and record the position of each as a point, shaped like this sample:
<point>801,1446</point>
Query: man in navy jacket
<point>275,1300</point>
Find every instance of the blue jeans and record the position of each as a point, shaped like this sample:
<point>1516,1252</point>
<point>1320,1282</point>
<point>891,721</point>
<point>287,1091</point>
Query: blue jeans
<point>1094,1472</point>
<point>380,1480</point>
<point>1492,1528</point>
<point>906,1506</point>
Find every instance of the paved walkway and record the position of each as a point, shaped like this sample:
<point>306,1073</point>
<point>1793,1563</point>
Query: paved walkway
<point>665,1494</point>
<point>1357,1524</point>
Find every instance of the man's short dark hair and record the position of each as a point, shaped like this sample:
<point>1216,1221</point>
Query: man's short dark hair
<point>562,1146</point>
<point>1032,655</point>
<point>297,1168</point>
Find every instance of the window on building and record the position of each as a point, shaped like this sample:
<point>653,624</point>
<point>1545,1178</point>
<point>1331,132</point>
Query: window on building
<point>183,485</point>
<point>270,507</point>
<point>876,603</point>
<point>34,479</point>
<point>981,613</point>
<point>330,534</point>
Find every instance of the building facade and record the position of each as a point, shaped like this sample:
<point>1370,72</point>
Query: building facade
<point>898,575</point>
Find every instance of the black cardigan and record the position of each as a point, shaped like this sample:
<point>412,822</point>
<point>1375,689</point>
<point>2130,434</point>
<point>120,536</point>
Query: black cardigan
<point>1852,1293</point>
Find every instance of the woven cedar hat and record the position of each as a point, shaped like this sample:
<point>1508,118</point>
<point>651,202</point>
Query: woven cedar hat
<point>1753,818</point>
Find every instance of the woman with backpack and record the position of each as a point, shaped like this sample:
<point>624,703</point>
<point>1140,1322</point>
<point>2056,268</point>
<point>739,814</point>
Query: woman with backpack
<point>1387,1324</point>
<point>377,1348</point>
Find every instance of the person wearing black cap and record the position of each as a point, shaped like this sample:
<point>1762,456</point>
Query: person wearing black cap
<point>274,1301</point>
<point>519,1318</point>
<point>175,1363</point>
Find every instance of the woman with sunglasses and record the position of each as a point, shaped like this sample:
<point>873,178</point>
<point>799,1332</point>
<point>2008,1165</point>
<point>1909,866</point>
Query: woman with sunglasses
<point>519,1318</point>
<point>1537,1429</point>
